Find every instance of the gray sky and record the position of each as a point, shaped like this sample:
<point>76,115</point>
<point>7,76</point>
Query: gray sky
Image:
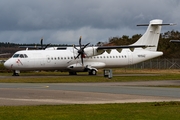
<point>63,21</point>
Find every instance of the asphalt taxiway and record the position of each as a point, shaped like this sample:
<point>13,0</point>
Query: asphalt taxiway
<point>87,93</point>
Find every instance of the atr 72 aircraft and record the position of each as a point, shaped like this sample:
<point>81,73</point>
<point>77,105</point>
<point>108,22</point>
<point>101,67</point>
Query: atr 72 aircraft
<point>89,59</point>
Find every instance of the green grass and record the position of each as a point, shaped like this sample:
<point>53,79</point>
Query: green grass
<point>57,77</point>
<point>128,111</point>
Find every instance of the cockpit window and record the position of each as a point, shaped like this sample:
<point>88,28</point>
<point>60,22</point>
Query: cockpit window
<point>20,56</point>
<point>25,56</point>
<point>15,55</point>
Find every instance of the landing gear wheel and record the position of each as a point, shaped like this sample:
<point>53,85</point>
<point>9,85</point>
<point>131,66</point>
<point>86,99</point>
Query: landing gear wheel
<point>14,73</point>
<point>93,72</point>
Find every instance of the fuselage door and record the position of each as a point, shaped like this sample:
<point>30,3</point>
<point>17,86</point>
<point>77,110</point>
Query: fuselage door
<point>130,58</point>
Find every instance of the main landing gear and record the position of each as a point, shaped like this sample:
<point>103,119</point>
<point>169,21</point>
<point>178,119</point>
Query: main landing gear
<point>91,72</point>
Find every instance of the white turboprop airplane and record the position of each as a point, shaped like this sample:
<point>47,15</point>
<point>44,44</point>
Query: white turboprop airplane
<point>89,59</point>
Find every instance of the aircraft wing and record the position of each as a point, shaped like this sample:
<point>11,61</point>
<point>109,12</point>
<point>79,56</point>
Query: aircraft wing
<point>35,47</point>
<point>44,48</point>
<point>124,46</point>
<point>101,49</point>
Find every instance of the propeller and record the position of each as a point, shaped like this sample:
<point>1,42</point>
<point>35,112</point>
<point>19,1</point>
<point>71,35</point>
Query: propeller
<point>43,48</point>
<point>81,50</point>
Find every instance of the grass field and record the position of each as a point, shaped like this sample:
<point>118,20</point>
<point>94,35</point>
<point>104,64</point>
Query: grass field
<point>127,111</point>
<point>119,75</point>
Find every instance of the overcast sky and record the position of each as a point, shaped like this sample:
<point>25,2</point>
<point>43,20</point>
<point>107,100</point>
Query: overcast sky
<point>64,21</point>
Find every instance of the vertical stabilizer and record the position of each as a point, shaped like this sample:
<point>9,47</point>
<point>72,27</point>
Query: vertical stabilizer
<point>151,36</point>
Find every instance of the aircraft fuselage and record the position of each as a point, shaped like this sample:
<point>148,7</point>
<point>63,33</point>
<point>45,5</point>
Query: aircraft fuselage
<point>63,60</point>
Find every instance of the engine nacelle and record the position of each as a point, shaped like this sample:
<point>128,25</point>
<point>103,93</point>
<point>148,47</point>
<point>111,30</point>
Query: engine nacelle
<point>93,51</point>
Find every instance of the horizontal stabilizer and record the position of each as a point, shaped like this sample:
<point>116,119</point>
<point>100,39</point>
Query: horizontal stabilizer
<point>175,41</point>
<point>171,24</point>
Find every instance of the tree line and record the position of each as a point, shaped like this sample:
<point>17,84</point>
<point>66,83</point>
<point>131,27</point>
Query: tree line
<point>170,50</point>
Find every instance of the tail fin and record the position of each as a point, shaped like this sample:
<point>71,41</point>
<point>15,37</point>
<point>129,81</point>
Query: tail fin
<point>151,36</point>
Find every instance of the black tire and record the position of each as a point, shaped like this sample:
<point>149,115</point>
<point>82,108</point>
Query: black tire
<point>93,72</point>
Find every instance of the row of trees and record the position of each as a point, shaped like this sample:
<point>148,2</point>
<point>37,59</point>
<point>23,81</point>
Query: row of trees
<point>170,50</point>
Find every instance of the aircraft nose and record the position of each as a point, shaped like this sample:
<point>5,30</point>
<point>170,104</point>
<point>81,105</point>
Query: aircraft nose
<point>7,64</point>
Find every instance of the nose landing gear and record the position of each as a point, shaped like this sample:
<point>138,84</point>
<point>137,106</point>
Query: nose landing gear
<point>15,73</point>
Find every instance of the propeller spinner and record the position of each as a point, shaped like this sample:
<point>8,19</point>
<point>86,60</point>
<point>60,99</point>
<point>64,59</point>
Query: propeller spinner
<point>81,50</point>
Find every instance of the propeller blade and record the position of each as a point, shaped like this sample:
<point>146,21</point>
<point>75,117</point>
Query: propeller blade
<point>80,42</point>
<point>77,56</point>
<point>75,47</point>
<point>47,45</point>
<point>82,60</point>
<point>41,43</point>
<point>86,45</point>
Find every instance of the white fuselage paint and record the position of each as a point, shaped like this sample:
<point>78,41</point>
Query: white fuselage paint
<point>63,60</point>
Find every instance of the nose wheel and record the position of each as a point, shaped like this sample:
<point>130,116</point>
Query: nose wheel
<point>15,73</point>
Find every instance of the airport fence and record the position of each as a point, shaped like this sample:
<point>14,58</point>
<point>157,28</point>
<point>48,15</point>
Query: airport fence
<point>158,64</point>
